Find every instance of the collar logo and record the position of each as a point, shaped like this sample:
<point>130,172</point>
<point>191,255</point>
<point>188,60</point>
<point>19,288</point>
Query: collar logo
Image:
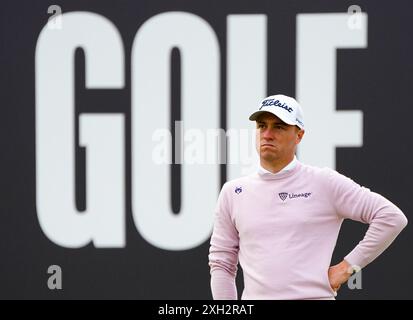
<point>238,190</point>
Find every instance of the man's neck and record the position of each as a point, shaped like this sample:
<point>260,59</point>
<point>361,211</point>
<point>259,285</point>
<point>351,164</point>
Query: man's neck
<point>275,167</point>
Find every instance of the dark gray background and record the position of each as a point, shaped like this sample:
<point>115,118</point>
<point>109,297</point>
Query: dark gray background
<point>378,78</point>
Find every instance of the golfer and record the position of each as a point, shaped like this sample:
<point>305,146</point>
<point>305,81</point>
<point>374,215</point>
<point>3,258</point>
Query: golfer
<point>282,222</point>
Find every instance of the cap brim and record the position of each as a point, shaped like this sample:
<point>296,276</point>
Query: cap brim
<point>256,114</point>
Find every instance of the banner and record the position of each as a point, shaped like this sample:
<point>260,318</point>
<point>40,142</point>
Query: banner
<point>122,120</point>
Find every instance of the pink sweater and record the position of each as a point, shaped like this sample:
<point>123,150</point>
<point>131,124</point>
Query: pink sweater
<point>283,229</point>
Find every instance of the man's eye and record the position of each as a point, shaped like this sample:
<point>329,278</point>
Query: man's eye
<point>260,126</point>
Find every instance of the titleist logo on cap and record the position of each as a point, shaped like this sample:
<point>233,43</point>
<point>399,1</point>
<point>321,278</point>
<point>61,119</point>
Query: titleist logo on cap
<point>277,103</point>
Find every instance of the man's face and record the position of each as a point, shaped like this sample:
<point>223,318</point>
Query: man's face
<point>276,140</point>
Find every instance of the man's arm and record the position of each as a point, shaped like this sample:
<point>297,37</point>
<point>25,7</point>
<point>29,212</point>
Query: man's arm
<point>223,252</point>
<point>358,203</point>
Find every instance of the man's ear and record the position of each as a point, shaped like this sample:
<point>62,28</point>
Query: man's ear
<point>300,135</point>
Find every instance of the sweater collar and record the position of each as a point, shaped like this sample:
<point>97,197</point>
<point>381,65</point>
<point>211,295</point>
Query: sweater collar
<point>286,171</point>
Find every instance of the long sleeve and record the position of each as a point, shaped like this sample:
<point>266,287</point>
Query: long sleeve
<point>223,252</point>
<point>358,203</point>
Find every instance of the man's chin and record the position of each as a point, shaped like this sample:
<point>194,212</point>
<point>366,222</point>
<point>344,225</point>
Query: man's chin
<point>268,155</point>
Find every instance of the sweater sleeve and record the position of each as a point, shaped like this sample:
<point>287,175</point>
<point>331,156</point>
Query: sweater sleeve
<point>358,203</point>
<point>223,252</point>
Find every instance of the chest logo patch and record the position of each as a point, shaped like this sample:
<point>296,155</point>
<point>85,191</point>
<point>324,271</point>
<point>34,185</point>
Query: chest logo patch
<point>283,195</point>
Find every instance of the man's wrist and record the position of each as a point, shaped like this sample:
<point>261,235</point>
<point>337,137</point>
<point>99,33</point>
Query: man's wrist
<point>351,268</point>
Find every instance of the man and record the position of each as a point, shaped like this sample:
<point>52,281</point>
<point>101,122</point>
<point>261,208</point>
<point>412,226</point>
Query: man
<point>282,222</point>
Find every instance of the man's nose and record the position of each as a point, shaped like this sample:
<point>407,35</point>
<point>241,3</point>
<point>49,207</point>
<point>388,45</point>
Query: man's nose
<point>267,134</point>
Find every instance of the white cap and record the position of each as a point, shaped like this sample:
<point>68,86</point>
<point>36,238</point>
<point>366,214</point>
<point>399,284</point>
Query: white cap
<point>284,107</point>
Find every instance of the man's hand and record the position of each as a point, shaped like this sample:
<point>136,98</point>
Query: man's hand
<point>339,274</point>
